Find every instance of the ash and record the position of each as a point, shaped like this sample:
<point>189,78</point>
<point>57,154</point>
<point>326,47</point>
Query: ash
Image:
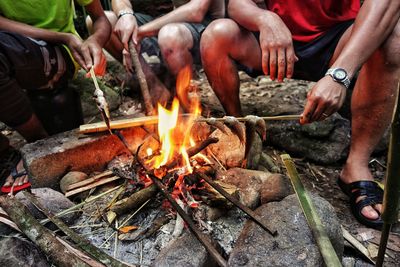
<point>137,248</point>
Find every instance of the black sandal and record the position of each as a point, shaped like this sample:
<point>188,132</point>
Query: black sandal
<point>372,194</point>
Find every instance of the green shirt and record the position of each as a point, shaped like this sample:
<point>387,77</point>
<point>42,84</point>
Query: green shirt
<point>54,15</point>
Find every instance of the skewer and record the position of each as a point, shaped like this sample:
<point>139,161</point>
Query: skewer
<point>205,240</point>
<point>149,120</point>
<point>257,219</point>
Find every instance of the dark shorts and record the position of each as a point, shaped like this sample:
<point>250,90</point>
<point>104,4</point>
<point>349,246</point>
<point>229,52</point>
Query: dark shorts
<point>313,56</point>
<point>28,65</point>
<point>150,45</point>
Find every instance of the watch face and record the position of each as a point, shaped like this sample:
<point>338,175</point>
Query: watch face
<point>340,74</point>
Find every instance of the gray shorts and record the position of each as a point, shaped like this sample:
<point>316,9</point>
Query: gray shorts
<point>150,45</point>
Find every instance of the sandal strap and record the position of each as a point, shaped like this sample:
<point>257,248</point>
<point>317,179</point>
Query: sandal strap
<point>368,189</point>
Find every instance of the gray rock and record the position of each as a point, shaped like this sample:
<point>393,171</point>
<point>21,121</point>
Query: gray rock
<point>2,126</point>
<point>85,87</point>
<point>324,142</point>
<point>294,245</point>
<point>52,200</point>
<point>186,251</point>
<point>253,185</point>
<point>18,252</point>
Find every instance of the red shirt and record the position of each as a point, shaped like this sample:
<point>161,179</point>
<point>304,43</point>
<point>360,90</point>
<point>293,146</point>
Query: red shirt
<point>308,19</point>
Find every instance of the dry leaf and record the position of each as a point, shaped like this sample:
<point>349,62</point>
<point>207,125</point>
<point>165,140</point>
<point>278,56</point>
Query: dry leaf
<point>127,229</point>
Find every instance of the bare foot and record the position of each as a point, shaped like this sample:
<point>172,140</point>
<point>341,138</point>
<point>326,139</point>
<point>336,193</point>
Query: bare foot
<point>21,177</point>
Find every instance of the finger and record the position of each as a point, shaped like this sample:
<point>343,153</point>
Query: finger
<point>265,62</point>
<point>126,60</point>
<point>272,63</point>
<point>320,112</point>
<point>78,58</point>
<point>134,35</point>
<point>290,60</point>
<point>96,56</point>
<point>308,112</point>
<point>281,64</point>
<point>88,58</point>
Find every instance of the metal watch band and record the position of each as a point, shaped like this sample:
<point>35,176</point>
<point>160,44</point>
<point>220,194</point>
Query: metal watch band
<point>125,12</point>
<point>346,81</point>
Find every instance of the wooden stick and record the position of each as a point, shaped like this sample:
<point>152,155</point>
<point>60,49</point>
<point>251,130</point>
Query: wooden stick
<point>257,219</point>
<point>134,201</point>
<point>142,79</point>
<point>135,122</point>
<point>38,234</point>
<point>205,240</point>
<point>90,186</point>
<point>80,241</point>
<point>89,180</point>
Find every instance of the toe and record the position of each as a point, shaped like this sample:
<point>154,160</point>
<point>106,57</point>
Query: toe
<point>369,213</point>
<point>9,181</point>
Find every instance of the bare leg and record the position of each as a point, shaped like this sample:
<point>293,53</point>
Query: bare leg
<point>175,41</point>
<point>371,107</point>
<point>223,43</point>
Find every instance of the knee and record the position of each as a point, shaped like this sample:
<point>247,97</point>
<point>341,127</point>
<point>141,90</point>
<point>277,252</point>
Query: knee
<point>174,37</point>
<point>110,16</point>
<point>390,50</point>
<point>218,36</point>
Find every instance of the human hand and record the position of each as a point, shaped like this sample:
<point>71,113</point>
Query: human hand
<point>93,55</point>
<point>324,99</point>
<point>277,50</point>
<point>74,44</point>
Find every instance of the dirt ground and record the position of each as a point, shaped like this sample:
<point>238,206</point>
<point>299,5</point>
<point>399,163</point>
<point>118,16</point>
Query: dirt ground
<point>287,98</point>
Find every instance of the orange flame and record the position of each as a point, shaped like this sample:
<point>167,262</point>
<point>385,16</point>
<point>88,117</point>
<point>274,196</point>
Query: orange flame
<point>173,131</point>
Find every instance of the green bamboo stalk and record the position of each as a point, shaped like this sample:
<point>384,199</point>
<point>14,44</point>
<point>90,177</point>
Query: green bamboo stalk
<point>391,196</point>
<point>325,246</point>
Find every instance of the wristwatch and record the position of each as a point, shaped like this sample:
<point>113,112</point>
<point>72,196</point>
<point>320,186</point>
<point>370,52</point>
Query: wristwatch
<point>339,75</point>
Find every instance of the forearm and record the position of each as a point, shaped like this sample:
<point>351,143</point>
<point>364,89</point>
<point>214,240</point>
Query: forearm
<point>31,31</point>
<point>375,21</point>
<point>121,5</point>
<point>101,30</point>
<point>248,14</point>
<point>193,12</point>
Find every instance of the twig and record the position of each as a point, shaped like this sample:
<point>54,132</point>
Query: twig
<point>143,121</point>
<point>87,201</point>
<point>245,209</point>
<point>90,186</point>
<point>357,245</point>
<point>142,79</point>
<point>205,240</point>
<point>89,180</point>
<point>80,241</point>
<point>101,101</point>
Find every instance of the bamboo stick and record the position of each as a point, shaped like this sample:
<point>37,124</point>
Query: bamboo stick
<point>38,234</point>
<point>142,79</point>
<point>391,196</point>
<point>90,186</point>
<point>325,246</point>
<point>80,241</point>
<point>149,120</point>
<point>89,180</point>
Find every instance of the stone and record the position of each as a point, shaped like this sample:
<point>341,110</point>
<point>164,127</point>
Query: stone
<point>251,183</point>
<point>324,142</point>
<point>294,245</point>
<point>16,251</point>
<point>49,159</point>
<point>275,188</point>
<point>184,251</point>
<point>50,199</point>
